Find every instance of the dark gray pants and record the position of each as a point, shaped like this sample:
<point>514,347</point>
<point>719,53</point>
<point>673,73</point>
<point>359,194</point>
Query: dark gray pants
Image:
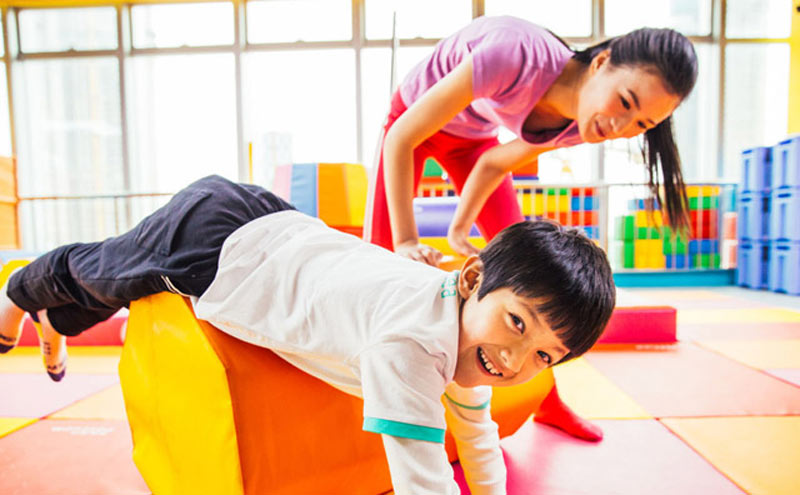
<point>176,248</point>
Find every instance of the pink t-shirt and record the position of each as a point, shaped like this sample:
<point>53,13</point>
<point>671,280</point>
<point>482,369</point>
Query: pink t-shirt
<point>514,63</point>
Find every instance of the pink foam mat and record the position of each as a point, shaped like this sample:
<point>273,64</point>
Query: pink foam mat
<point>35,395</point>
<point>641,324</point>
<point>791,375</point>
<point>70,457</point>
<point>635,456</point>
<point>684,379</point>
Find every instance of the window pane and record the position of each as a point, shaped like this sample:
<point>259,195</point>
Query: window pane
<point>159,26</point>
<point>756,99</point>
<point>416,18</point>
<point>58,30</point>
<point>376,94</point>
<point>758,18</point>
<point>5,122</point>
<point>67,117</point>
<point>182,114</point>
<point>284,95</point>
<point>282,21</point>
<point>565,18</point>
<point>690,17</point>
<point>696,121</point>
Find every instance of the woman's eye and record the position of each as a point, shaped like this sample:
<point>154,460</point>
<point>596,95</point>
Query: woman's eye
<point>625,103</point>
<point>518,323</point>
<point>545,357</point>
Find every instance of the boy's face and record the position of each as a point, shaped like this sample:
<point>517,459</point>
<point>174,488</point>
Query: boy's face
<point>502,339</point>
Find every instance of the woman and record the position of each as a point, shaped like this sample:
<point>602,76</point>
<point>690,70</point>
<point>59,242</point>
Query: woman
<point>504,71</point>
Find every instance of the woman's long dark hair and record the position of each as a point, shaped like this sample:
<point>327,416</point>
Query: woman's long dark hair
<point>670,55</point>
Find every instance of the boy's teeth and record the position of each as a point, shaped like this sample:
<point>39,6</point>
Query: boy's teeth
<point>488,364</point>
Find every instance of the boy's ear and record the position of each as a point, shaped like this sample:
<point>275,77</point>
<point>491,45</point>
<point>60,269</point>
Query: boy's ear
<point>470,277</point>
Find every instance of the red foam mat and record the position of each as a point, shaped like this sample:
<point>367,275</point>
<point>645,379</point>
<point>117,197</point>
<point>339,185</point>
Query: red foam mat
<point>32,395</point>
<point>61,457</point>
<point>641,324</point>
<point>684,379</point>
<point>635,456</point>
<point>104,333</point>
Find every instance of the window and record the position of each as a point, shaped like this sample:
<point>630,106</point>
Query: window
<point>60,30</point>
<point>758,18</point>
<point>163,26</point>
<point>286,21</point>
<point>416,18</point>
<point>564,18</point>
<point>690,17</point>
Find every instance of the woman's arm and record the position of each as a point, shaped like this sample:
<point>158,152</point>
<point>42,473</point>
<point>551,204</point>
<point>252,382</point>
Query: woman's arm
<point>443,101</point>
<point>484,178</point>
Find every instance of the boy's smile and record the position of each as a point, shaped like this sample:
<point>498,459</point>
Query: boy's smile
<point>502,339</point>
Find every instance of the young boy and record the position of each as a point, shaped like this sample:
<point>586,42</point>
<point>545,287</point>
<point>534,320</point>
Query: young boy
<point>398,333</point>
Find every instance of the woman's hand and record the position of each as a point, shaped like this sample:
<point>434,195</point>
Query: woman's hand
<point>419,252</point>
<point>457,238</point>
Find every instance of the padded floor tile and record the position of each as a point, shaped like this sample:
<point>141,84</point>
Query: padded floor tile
<point>791,375</point>
<point>738,331</point>
<point>82,359</point>
<point>761,354</point>
<point>685,380</point>
<point>592,395</point>
<point>9,425</point>
<point>744,315</point>
<point>635,457</point>
<point>70,457</point>
<point>760,454</point>
<point>36,396</point>
<point>107,404</point>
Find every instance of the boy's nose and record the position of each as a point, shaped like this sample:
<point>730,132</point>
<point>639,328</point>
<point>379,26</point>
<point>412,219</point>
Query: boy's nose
<point>512,360</point>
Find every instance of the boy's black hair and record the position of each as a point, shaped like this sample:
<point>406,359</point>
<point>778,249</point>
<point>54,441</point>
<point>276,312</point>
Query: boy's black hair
<point>561,267</point>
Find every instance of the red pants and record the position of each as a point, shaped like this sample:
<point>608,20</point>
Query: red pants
<point>457,156</point>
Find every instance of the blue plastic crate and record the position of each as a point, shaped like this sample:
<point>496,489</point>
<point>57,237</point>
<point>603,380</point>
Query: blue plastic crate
<point>592,232</point>
<point>785,216</point>
<point>703,246</point>
<point>753,264</point>
<point>786,163</point>
<point>784,271</point>
<point>678,261</point>
<point>754,211</point>
<point>590,203</point>
<point>756,170</point>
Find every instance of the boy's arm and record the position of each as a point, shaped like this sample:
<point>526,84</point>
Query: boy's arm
<point>470,421</point>
<point>418,466</point>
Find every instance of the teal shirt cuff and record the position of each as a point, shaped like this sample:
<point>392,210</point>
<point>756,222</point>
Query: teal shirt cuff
<point>403,430</point>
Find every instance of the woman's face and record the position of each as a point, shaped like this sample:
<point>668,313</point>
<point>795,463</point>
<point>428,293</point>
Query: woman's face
<point>621,102</point>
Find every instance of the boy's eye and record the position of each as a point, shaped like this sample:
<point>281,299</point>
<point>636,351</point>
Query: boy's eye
<point>641,124</point>
<point>625,103</point>
<point>518,322</point>
<point>545,357</point>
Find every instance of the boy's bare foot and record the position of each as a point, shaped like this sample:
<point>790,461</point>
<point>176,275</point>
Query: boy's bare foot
<point>53,346</point>
<point>10,322</point>
<point>554,412</point>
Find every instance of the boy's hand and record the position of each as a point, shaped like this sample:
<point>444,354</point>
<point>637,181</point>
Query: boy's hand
<point>458,241</point>
<point>419,252</point>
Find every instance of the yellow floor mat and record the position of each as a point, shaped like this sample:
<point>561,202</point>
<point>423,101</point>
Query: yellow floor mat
<point>591,395</point>
<point>107,404</point>
<point>752,315</point>
<point>82,359</point>
<point>9,425</point>
<point>758,453</point>
<point>761,354</point>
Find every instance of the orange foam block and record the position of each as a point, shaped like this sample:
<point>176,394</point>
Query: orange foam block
<point>267,427</point>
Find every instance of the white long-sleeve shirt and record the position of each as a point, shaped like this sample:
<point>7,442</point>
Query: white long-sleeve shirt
<point>371,323</point>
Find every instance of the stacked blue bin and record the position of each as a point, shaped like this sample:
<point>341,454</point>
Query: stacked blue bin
<point>754,214</point>
<point>784,230</point>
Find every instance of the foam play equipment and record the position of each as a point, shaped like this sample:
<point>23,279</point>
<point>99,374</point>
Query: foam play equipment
<point>212,414</point>
<point>336,193</point>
